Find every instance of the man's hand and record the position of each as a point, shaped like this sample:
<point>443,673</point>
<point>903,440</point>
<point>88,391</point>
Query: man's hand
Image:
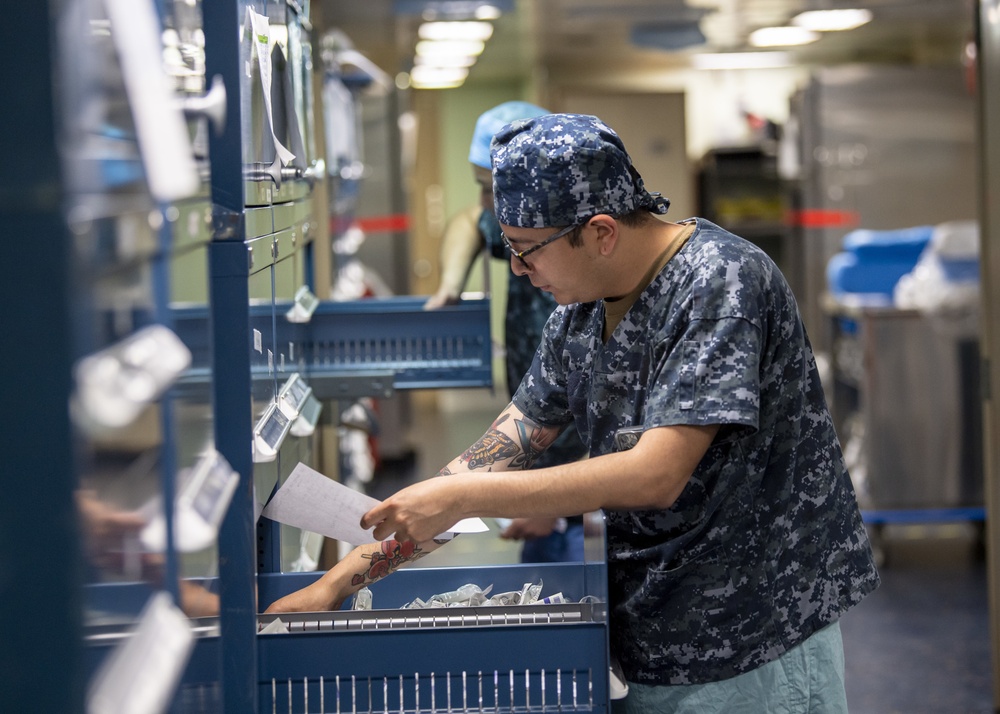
<point>441,298</point>
<point>420,512</point>
<point>108,533</point>
<point>197,600</point>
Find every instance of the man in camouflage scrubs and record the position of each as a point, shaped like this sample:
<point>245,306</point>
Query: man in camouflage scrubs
<point>734,538</point>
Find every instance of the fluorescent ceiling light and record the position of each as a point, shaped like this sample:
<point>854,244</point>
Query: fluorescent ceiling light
<point>434,48</point>
<point>782,36</point>
<point>488,12</point>
<point>426,77</point>
<point>445,61</point>
<point>741,60</point>
<point>832,20</point>
<point>481,31</point>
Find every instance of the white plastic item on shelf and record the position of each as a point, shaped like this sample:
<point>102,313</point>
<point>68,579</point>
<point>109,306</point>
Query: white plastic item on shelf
<point>946,277</point>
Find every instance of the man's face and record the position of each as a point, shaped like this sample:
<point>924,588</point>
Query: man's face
<point>569,273</point>
<point>485,180</point>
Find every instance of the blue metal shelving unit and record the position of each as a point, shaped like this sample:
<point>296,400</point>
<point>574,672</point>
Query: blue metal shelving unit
<point>243,347</point>
<point>40,557</point>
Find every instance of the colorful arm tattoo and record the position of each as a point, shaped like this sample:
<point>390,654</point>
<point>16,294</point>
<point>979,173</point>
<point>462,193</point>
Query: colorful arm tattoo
<point>534,440</point>
<point>494,446</point>
<point>497,446</point>
<point>392,555</point>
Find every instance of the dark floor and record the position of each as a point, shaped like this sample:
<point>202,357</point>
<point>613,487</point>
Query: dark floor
<point>920,644</point>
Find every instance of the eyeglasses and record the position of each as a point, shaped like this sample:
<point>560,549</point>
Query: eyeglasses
<point>522,254</point>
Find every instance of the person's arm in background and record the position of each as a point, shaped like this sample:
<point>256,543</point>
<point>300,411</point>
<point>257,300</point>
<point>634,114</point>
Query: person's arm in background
<point>529,528</point>
<point>459,247</point>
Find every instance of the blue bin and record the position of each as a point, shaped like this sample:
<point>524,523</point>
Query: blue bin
<point>873,261</point>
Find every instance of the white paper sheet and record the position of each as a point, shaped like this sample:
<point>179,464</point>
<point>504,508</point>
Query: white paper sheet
<point>313,502</point>
<point>261,30</point>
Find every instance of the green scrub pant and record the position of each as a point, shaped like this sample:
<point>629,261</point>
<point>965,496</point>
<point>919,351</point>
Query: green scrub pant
<point>808,679</point>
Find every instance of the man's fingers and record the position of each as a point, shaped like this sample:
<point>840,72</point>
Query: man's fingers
<point>373,517</point>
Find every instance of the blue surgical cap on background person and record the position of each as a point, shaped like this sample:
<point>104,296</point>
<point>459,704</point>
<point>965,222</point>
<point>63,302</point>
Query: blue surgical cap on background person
<point>492,121</point>
<point>562,169</point>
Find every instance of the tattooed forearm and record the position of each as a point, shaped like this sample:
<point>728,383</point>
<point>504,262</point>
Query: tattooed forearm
<point>534,440</point>
<point>494,446</point>
<point>497,446</point>
<point>391,556</point>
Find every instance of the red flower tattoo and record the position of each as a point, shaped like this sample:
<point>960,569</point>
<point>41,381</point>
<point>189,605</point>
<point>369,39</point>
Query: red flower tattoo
<point>391,555</point>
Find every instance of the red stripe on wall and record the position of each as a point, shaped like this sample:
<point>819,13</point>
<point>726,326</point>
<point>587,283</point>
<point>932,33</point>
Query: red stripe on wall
<point>822,218</point>
<point>372,224</point>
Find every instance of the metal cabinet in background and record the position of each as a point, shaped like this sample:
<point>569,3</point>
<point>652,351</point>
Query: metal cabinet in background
<point>879,147</point>
<point>906,402</point>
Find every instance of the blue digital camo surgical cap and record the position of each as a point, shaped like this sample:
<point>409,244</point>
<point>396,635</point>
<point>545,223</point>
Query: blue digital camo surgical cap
<point>492,121</point>
<point>562,169</point>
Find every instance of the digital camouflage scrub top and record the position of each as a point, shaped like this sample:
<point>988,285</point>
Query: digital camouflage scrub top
<point>765,545</point>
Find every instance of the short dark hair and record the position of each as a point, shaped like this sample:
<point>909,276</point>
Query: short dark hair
<point>632,219</point>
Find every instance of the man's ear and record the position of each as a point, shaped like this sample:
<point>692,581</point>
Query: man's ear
<point>607,233</point>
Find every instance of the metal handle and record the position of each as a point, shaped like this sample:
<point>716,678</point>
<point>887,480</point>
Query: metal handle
<point>211,105</point>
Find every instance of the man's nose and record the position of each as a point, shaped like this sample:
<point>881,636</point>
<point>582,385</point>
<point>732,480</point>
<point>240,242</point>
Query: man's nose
<point>517,266</point>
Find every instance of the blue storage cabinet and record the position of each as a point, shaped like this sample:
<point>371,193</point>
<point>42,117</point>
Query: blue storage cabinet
<point>120,249</point>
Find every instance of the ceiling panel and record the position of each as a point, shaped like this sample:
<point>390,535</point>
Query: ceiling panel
<point>594,35</point>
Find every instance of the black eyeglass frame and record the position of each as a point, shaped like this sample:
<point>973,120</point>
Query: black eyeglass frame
<point>521,254</point>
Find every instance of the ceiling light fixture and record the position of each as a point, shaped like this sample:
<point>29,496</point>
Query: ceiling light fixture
<point>782,36</point>
<point>741,60</point>
<point>832,20</point>
<point>480,31</point>
<point>427,77</point>
<point>436,48</point>
<point>453,9</point>
<point>445,61</point>
<point>488,12</point>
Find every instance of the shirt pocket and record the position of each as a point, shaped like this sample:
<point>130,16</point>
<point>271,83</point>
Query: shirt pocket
<point>688,611</point>
<point>688,379</point>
